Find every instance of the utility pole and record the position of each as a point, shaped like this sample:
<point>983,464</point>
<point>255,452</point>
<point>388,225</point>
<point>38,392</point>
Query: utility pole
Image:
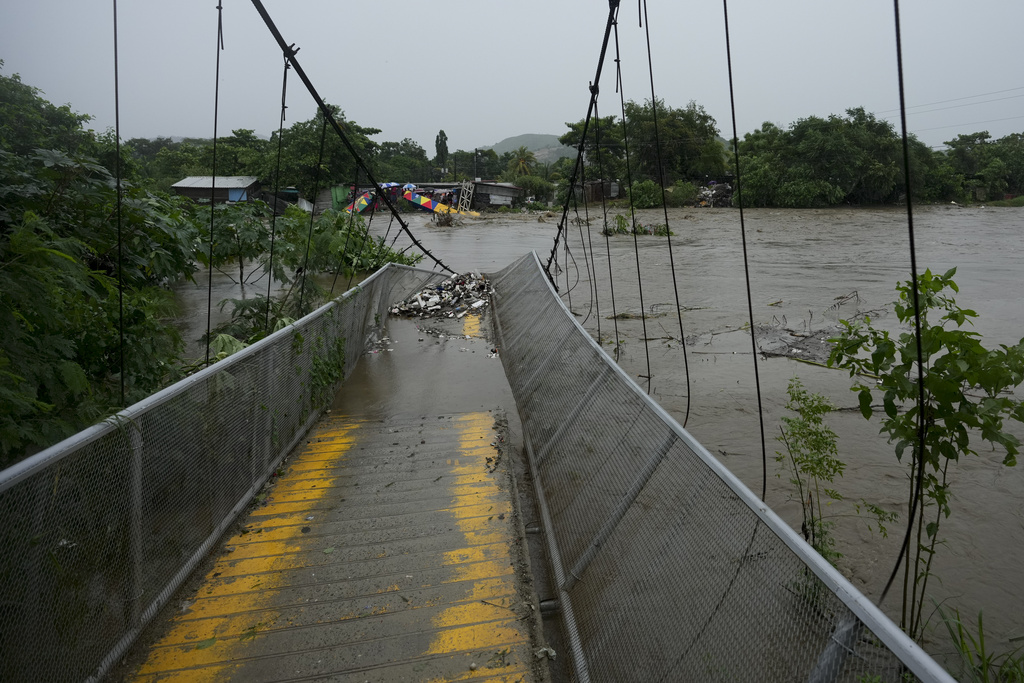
<point>475,153</point>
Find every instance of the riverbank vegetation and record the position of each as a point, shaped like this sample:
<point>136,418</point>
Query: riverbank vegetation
<point>851,159</point>
<point>858,159</point>
<point>934,413</point>
<point>85,303</point>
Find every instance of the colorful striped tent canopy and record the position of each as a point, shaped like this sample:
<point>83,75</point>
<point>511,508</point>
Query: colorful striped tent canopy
<point>360,203</point>
<point>424,203</point>
<point>428,204</point>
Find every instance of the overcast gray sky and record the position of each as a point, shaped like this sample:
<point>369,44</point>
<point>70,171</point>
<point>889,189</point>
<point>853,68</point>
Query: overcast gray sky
<point>483,70</point>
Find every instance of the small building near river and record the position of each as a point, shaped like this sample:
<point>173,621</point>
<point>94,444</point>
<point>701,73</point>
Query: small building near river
<point>221,188</point>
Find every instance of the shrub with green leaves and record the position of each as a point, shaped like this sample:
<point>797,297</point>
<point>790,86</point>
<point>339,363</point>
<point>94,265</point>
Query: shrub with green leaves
<point>964,398</point>
<point>682,193</point>
<point>645,194</point>
<point>812,457</point>
<point>60,306</point>
<point>336,242</point>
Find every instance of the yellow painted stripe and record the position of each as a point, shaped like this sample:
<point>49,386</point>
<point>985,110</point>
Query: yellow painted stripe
<point>478,626</point>
<point>185,646</point>
<point>452,593</point>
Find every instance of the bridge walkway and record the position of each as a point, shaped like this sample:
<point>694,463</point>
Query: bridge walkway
<point>387,548</point>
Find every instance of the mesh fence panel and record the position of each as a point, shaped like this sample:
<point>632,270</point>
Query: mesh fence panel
<point>669,569</point>
<point>99,530</point>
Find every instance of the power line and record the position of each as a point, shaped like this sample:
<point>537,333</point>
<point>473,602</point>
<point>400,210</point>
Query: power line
<point>958,106</point>
<point>955,99</point>
<point>974,123</point>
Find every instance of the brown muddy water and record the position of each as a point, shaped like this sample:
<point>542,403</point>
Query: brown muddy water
<point>803,264</point>
<point>807,269</point>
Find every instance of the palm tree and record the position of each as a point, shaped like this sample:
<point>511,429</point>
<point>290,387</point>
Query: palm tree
<point>522,163</point>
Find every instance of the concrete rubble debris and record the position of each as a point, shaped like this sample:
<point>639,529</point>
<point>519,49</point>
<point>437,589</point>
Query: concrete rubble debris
<point>453,298</point>
<point>543,652</point>
<point>715,195</point>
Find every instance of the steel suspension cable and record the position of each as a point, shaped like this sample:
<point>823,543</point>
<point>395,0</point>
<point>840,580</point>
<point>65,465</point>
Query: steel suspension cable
<point>583,245</point>
<point>664,205</point>
<point>587,261</point>
<point>277,192</point>
<point>919,451</point>
<point>120,240</point>
<point>312,214</point>
<point>568,288</point>
<point>348,233</point>
<point>382,246</point>
<point>570,258</point>
<point>592,268</point>
<point>746,263</point>
<point>632,208</point>
<point>362,245</point>
<point>605,230</point>
<point>613,8</point>
<point>213,177</point>
<point>290,52</point>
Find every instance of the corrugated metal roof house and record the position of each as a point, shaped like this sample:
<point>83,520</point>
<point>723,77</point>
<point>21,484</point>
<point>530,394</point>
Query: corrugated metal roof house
<point>486,195</point>
<point>226,188</point>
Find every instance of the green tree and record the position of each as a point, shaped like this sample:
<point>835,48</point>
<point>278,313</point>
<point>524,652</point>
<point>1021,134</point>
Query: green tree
<point>60,353</point>
<point>28,122</point>
<point>301,150</point>
<point>856,159</point>
<point>174,162</point>
<point>338,243</point>
<point>964,398</point>
<point>521,162</point>
<point>1010,150</point>
<point>484,162</point>
<point>982,168</point>
<point>644,194</point>
<point>603,150</point>
<point>970,153</point>
<point>402,162</point>
<point>537,187</point>
<point>242,235</point>
<point>689,149</point>
<point>973,156</point>
<point>242,154</point>
<point>441,149</point>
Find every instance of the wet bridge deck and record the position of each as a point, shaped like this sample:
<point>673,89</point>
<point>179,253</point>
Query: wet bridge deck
<point>388,547</point>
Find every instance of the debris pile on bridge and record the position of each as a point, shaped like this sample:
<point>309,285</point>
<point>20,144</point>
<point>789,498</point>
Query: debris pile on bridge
<point>453,298</point>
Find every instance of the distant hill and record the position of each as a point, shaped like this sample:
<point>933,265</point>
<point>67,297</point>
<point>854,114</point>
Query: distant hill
<point>546,148</point>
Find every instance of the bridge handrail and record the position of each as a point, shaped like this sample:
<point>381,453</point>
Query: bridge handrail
<point>102,528</point>
<point>577,435</point>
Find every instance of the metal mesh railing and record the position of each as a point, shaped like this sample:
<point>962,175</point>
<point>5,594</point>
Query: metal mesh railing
<point>99,531</point>
<point>667,567</point>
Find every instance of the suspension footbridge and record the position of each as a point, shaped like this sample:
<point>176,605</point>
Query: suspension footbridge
<point>276,517</point>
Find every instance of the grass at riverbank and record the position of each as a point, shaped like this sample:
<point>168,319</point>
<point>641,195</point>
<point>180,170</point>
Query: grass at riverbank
<point>1016,201</point>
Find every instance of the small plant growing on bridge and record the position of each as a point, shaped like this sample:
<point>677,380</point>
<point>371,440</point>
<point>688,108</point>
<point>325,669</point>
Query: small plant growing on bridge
<point>812,456</point>
<point>963,398</point>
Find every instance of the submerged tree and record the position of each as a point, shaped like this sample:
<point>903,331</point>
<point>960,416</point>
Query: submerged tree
<point>335,243</point>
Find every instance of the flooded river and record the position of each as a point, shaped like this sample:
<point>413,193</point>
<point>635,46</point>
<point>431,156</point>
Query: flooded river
<point>803,265</point>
